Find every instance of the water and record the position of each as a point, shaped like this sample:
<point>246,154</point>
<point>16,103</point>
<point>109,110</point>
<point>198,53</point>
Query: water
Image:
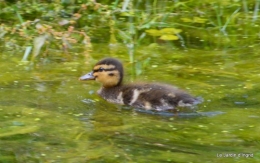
<point>47,115</point>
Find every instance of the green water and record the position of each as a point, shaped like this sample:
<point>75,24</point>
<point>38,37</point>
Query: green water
<point>47,115</point>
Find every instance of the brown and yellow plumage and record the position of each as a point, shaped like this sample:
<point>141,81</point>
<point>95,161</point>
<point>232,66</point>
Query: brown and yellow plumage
<point>150,96</point>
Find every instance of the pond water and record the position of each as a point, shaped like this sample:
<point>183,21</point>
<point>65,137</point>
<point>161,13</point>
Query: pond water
<point>47,115</point>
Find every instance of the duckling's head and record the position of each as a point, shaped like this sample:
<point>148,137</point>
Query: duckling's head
<point>108,71</point>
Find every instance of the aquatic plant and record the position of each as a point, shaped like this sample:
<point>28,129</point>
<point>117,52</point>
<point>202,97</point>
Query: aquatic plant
<point>63,25</point>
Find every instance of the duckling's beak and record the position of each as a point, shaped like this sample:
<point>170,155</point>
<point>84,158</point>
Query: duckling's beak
<point>88,76</point>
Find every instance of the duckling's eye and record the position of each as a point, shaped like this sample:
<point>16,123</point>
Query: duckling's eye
<point>101,69</point>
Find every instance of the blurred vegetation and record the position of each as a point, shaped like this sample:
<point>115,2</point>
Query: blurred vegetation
<point>38,26</point>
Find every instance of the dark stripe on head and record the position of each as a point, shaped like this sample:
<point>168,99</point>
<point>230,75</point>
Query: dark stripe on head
<point>102,69</point>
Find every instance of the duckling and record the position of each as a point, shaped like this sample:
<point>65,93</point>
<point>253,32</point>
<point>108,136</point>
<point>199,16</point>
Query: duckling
<point>150,96</point>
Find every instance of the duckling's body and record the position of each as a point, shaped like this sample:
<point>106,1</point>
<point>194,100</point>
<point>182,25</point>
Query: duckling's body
<point>150,96</point>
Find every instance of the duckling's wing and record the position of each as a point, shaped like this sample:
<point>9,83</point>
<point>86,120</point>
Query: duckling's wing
<point>156,96</point>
